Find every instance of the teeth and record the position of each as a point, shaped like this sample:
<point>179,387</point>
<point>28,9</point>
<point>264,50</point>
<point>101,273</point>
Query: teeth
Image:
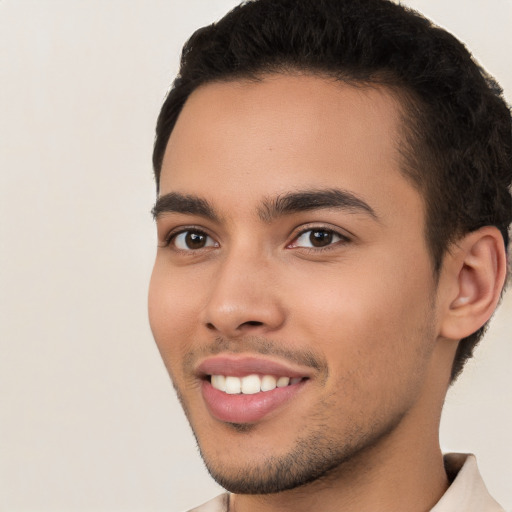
<point>268,383</point>
<point>219,382</point>
<point>282,382</point>
<point>251,384</point>
<point>233,385</point>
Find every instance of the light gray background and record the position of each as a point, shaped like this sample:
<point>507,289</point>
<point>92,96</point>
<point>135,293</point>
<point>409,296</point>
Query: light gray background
<point>88,418</point>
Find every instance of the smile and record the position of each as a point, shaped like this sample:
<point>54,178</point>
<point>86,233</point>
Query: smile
<point>248,388</point>
<point>251,384</point>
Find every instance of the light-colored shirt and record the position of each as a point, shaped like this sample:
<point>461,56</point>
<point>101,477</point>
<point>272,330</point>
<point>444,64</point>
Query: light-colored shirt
<point>467,492</point>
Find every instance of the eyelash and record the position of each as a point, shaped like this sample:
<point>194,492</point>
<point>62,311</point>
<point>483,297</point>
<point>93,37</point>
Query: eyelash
<point>174,234</point>
<point>343,239</point>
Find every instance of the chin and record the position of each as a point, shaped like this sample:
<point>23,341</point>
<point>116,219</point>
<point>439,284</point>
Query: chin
<point>317,454</point>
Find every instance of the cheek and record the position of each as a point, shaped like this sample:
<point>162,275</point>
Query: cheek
<point>173,311</point>
<point>368,319</point>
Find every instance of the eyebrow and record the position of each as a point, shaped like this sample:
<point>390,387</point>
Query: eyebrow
<point>270,209</point>
<point>314,200</point>
<point>175,202</point>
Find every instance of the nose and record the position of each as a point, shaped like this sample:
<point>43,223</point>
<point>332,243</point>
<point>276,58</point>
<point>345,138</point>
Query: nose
<point>244,298</point>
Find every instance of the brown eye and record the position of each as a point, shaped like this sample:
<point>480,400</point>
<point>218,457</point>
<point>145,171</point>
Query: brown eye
<point>318,238</point>
<point>321,238</point>
<point>193,240</point>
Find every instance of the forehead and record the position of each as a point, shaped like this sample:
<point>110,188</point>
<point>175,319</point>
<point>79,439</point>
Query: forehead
<point>255,139</point>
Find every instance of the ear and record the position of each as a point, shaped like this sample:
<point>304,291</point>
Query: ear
<point>473,275</point>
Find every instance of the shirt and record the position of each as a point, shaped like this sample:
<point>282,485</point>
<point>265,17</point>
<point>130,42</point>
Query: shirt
<point>467,492</point>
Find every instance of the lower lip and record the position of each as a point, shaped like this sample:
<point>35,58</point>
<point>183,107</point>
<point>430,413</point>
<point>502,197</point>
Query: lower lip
<point>242,408</point>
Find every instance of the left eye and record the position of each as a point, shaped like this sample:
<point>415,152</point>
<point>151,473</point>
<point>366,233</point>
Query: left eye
<point>317,238</point>
<point>191,240</point>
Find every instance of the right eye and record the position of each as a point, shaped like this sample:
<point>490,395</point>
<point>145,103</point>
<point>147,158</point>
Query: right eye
<point>191,240</point>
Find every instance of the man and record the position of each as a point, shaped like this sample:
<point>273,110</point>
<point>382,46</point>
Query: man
<point>333,205</point>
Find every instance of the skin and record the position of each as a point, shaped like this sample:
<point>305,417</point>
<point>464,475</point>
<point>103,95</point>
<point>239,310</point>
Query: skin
<point>367,306</point>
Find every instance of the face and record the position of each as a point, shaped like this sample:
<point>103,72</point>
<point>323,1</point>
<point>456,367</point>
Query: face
<point>293,297</point>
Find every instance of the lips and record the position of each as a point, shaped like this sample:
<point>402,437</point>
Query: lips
<point>247,389</point>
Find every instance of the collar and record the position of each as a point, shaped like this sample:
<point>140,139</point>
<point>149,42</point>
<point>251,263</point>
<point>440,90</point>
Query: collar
<point>467,491</point>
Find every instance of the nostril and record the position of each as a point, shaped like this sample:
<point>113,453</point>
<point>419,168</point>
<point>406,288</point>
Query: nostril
<point>253,323</point>
<point>247,325</point>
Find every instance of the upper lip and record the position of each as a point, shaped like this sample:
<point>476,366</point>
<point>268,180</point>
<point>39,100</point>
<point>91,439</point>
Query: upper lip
<point>240,366</point>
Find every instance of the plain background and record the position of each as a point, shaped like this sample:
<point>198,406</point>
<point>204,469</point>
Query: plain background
<point>88,417</point>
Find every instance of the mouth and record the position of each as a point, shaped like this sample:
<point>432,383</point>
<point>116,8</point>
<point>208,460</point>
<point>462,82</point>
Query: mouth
<point>251,384</point>
<point>248,390</point>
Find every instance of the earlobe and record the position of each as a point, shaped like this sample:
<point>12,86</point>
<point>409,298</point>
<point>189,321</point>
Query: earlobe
<point>474,275</point>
